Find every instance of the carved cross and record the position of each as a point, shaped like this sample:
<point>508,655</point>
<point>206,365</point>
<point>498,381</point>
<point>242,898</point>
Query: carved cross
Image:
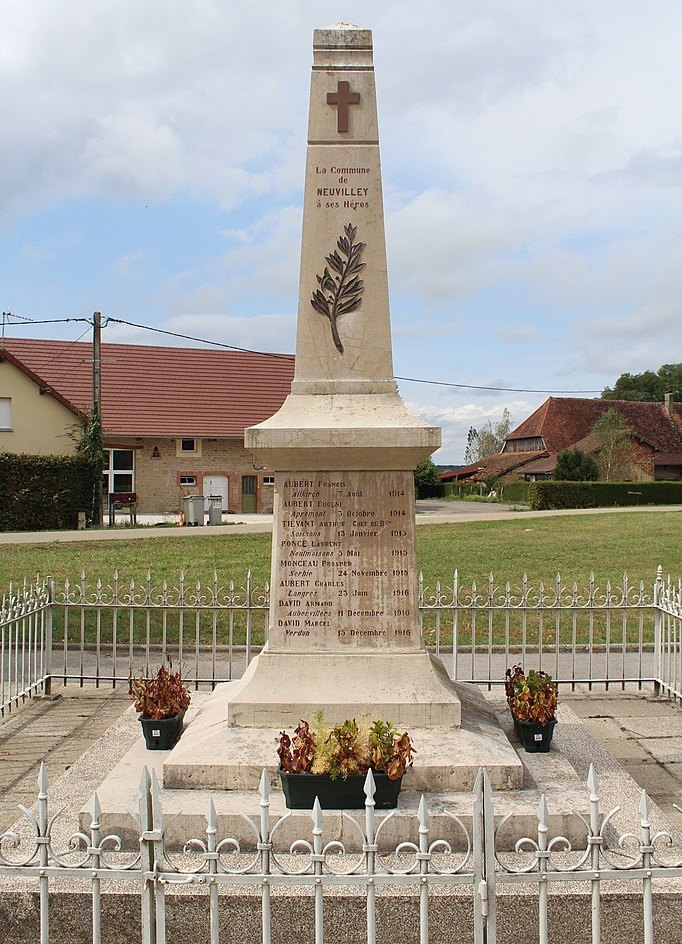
<point>342,98</point>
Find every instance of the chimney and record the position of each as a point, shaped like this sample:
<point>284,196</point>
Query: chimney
<point>668,401</point>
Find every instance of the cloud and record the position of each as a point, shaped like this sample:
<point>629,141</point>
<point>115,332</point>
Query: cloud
<point>260,332</point>
<point>133,153</point>
<point>456,417</point>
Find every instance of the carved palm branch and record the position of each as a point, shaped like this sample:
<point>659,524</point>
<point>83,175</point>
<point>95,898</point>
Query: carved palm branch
<point>340,289</point>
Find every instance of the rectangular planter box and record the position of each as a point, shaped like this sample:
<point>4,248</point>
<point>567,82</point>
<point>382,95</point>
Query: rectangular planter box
<point>300,791</point>
<point>535,738</point>
<point>161,734</point>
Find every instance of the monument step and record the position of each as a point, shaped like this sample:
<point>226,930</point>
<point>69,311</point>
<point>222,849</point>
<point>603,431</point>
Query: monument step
<point>185,809</point>
<point>212,755</point>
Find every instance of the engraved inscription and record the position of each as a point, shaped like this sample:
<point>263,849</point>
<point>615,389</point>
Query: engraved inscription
<point>343,573</point>
<point>349,189</point>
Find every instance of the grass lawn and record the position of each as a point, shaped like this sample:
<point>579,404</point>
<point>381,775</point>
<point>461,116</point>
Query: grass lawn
<point>574,545</point>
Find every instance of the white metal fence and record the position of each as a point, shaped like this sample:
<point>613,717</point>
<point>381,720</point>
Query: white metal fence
<point>441,873</point>
<point>96,631</point>
<point>25,630</point>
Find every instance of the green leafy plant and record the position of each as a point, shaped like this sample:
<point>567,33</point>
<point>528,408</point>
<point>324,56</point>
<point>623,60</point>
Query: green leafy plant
<point>531,697</point>
<point>340,293</point>
<point>162,696</point>
<point>345,749</point>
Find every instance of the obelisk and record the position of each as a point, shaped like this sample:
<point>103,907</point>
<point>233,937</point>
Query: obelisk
<point>343,624</point>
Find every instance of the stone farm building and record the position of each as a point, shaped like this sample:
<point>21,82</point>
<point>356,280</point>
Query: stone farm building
<point>530,451</point>
<point>173,418</point>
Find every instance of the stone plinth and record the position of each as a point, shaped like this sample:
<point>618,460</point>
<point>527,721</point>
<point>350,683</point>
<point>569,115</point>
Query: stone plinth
<point>279,688</point>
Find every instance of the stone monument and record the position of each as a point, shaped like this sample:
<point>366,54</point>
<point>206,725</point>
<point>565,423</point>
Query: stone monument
<point>343,625</point>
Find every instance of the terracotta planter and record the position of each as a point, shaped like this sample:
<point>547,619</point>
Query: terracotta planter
<point>300,791</point>
<point>161,734</point>
<point>535,738</point>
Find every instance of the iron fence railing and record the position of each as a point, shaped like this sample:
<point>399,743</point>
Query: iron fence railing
<point>99,631</point>
<point>462,873</point>
<point>25,641</point>
<point>668,638</point>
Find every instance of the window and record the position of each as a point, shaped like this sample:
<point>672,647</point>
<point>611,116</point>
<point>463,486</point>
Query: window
<point>268,480</point>
<point>188,446</point>
<point>118,473</point>
<point>188,480</point>
<point>6,413</point>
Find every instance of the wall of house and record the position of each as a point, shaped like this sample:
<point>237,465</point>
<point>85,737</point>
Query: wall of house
<point>158,469</point>
<point>643,461</point>
<point>40,424</point>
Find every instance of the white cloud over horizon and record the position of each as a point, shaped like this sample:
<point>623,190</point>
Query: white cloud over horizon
<point>153,162</point>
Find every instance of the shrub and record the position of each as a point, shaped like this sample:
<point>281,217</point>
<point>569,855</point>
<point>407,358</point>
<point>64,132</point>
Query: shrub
<point>556,495</point>
<point>574,465</point>
<point>43,493</point>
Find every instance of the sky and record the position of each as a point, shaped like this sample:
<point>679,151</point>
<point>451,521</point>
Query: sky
<point>152,169</point>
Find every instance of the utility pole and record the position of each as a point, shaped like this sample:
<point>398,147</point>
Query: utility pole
<point>97,362</point>
<point>97,403</point>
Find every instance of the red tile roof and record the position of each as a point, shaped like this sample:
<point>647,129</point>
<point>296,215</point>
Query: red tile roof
<point>162,391</point>
<point>563,421</point>
<point>500,464</point>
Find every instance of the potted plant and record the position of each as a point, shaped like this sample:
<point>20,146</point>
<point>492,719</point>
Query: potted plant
<point>532,700</point>
<point>331,763</point>
<point>162,701</point>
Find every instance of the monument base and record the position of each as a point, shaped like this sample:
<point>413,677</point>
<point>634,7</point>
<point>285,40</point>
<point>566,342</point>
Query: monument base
<point>408,687</point>
<point>213,756</point>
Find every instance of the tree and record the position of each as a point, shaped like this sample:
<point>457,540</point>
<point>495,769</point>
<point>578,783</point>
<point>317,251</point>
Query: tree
<point>574,465</point>
<point>648,385</point>
<point>488,440</point>
<point>614,439</point>
<point>471,450</point>
<point>425,476</point>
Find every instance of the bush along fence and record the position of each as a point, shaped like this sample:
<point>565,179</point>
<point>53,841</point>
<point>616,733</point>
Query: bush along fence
<point>92,631</point>
<point>466,873</point>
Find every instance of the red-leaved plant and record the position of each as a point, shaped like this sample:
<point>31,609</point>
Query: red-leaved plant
<point>162,696</point>
<point>345,749</point>
<point>531,697</point>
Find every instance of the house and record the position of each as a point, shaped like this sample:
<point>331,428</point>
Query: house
<point>173,418</point>
<point>531,449</point>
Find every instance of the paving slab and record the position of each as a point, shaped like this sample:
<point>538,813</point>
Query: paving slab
<point>653,727</point>
<point>56,730</point>
<point>664,750</point>
<point>628,705</point>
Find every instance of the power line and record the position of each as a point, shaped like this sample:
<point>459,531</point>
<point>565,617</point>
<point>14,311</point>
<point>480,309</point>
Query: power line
<point>68,345</point>
<point>189,337</point>
<point>246,350</point>
<point>445,383</point>
<point>9,314</point>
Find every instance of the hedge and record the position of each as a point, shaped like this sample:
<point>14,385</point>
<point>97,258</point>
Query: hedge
<point>552,495</point>
<point>44,493</point>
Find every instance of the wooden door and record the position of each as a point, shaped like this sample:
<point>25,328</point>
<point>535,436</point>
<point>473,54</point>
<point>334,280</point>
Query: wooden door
<point>249,483</point>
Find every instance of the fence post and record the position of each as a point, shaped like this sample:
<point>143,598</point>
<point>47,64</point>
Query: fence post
<point>47,654</point>
<point>658,590</point>
<point>147,860</point>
